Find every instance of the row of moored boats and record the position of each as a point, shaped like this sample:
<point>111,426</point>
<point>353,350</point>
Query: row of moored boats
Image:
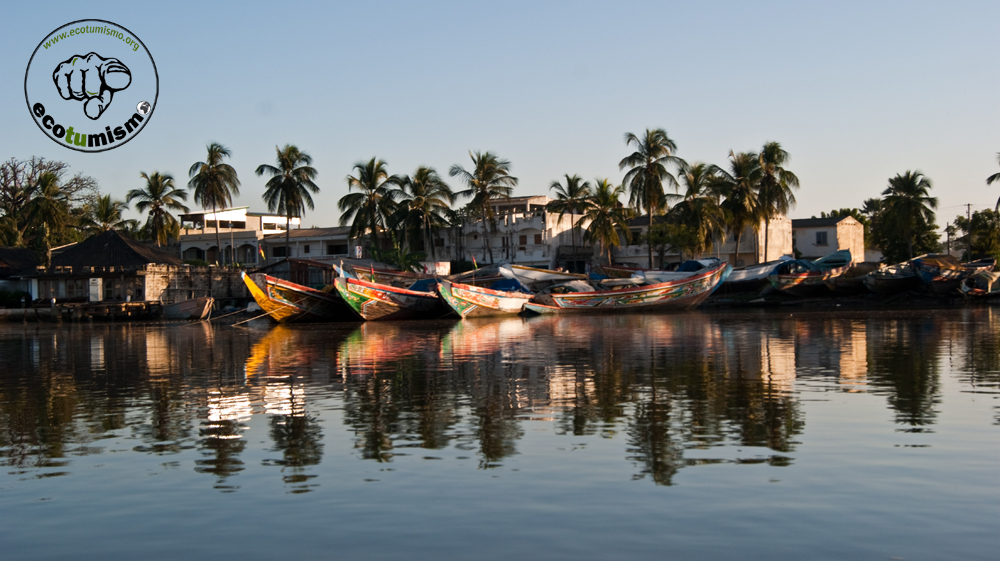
<point>506,289</point>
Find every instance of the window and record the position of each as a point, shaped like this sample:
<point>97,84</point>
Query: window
<point>538,239</point>
<point>278,251</point>
<point>336,249</point>
<point>522,239</point>
<point>821,238</point>
<point>305,248</point>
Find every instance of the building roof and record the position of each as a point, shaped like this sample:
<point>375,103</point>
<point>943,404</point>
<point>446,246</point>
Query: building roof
<point>111,249</point>
<point>339,231</point>
<point>14,260</point>
<point>818,222</point>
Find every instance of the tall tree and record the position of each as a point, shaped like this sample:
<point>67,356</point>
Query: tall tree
<point>907,205</point>
<point>489,179</point>
<point>739,186</point>
<point>159,197</point>
<point>647,171</point>
<point>994,179</point>
<point>608,217</point>
<point>214,185</point>
<point>700,209</point>
<point>288,190</point>
<point>106,214</point>
<point>425,204</point>
<point>776,184</point>
<point>570,199</point>
<point>369,209</point>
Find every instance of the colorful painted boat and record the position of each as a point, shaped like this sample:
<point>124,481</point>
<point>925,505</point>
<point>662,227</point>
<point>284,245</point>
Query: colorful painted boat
<point>803,277</point>
<point>285,301</point>
<point>375,301</point>
<point>943,274</point>
<point>853,280</point>
<point>751,278</point>
<point>382,275</point>
<point>616,295</point>
<point>468,300</point>
<point>981,284</point>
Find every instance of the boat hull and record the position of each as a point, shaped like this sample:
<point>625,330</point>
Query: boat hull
<point>806,284</point>
<point>374,302</point>
<point>287,302</point>
<point>674,295</point>
<point>193,309</point>
<point>474,301</point>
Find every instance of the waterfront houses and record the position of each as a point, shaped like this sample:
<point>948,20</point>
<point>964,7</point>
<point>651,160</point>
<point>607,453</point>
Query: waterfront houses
<point>240,232</point>
<point>817,237</point>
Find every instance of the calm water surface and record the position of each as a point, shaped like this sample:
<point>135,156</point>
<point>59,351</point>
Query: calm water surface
<point>689,436</point>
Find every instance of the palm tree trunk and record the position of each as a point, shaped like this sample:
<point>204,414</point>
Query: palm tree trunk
<point>486,234</point>
<point>739,237</point>
<point>288,221</point>
<point>766,245</point>
<point>649,243</point>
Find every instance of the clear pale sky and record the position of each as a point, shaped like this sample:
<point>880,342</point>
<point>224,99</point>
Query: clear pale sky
<point>855,91</point>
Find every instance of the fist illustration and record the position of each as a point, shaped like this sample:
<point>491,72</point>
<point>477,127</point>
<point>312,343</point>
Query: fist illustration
<point>91,79</point>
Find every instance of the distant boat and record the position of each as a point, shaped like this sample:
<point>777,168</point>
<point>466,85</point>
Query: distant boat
<point>285,301</point>
<point>803,277</point>
<point>375,301</point>
<point>506,295</point>
<point>632,294</point>
<point>193,309</point>
<point>675,271</point>
<point>892,279</point>
<point>981,284</point>
<point>853,280</point>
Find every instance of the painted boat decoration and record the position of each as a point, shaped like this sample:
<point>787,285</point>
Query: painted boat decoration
<point>802,276</point>
<point>382,275</point>
<point>892,279</point>
<point>193,309</point>
<point>285,301</point>
<point>629,294</point>
<point>374,301</point>
<point>503,298</point>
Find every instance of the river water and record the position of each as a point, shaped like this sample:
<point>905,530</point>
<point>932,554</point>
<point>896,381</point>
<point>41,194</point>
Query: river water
<point>756,435</point>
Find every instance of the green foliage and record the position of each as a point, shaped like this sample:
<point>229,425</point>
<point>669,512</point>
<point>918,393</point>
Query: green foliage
<point>423,206</point>
<point>402,259</point>
<point>608,218</point>
<point>158,198</point>
<point>665,236</point>
<point>984,229</point>
<point>886,236</point>
<point>196,262</point>
<point>369,209</point>
<point>214,183</point>
<point>647,172</point>
<point>489,179</point>
<point>288,190</point>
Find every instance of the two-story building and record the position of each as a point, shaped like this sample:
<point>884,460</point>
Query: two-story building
<point>240,234</point>
<point>818,237</point>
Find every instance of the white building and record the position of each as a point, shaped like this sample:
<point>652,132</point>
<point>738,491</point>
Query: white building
<point>818,237</point>
<point>240,232</point>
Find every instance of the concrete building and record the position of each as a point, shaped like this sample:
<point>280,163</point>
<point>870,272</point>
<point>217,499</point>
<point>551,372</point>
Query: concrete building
<point>240,233</point>
<point>326,245</point>
<point>818,237</point>
<point>778,237</point>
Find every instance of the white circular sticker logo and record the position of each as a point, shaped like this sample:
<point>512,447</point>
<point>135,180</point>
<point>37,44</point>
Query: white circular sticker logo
<point>91,85</point>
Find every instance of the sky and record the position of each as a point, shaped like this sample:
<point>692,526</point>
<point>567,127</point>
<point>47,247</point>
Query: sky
<point>856,92</point>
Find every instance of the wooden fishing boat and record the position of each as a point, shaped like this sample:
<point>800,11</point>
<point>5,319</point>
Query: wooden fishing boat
<point>892,279</point>
<point>981,284</point>
<point>374,301</point>
<point>468,300</point>
<point>193,309</point>
<point>853,280</point>
<point>751,278</point>
<point>633,294</point>
<point>285,301</point>
<point>382,275</point>
<point>803,277</point>
<point>943,274</point>
<point>675,271</point>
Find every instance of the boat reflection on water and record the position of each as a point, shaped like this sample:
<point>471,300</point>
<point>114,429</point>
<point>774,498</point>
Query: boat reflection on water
<point>676,390</point>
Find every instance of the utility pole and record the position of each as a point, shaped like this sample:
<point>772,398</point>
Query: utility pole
<point>968,216</point>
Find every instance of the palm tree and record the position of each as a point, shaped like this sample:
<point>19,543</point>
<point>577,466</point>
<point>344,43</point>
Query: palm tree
<point>489,179</point>
<point>739,186</point>
<point>369,209</point>
<point>776,183</point>
<point>426,201</point>
<point>995,178</point>
<point>288,190</point>
<point>647,172</point>
<point>608,217</point>
<point>106,214</point>
<point>908,205</point>
<point>700,210</point>
<point>159,197</point>
<point>214,183</point>
<point>48,204</point>
<point>570,198</point>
